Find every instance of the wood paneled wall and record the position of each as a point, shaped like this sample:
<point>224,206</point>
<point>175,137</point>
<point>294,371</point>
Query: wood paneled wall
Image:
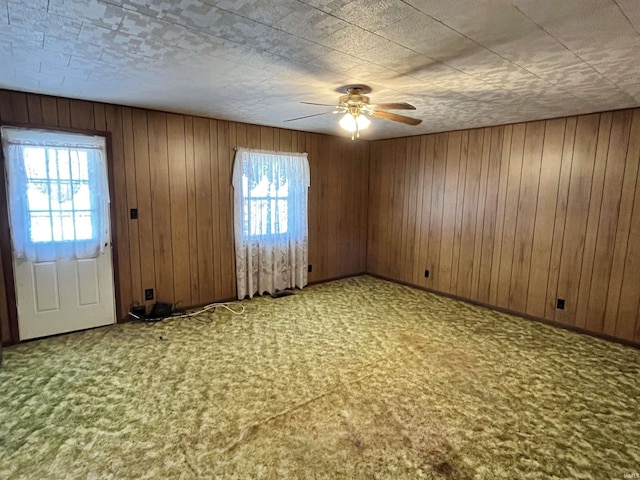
<point>516,217</point>
<point>513,216</point>
<point>176,170</point>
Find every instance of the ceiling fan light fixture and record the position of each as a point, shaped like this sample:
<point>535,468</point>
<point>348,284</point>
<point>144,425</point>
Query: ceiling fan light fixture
<point>352,123</point>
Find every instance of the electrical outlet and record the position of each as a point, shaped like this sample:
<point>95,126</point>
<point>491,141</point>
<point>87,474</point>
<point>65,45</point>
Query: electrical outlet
<point>148,294</point>
<point>310,268</point>
<point>560,304</point>
<point>133,214</point>
<point>426,274</point>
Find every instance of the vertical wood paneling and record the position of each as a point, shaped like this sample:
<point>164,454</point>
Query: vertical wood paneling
<point>373,217</point>
<point>510,215</point>
<point>229,259</point>
<point>595,202</point>
<point>81,115</point>
<point>144,203</point>
<point>35,109</point>
<point>322,256</point>
<point>179,210</point>
<point>413,152</point>
<point>482,193</point>
<point>225,206</point>
<point>99,118</point>
<point>192,213</point>
<point>202,149</point>
<point>466,248</point>
<point>333,225</point>
<point>502,205</point>
<point>396,196</point>
<point>359,252</point>
<point>160,206</point>
<point>386,163</point>
<point>437,204</point>
<point>526,214</point>
<point>314,199</point>
<point>405,167</point>
<point>422,210</point>
<point>457,229</point>
<point>608,220</point>
<point>517,216</point>
<point>49,110</point>
<point>176,170</point>
<point>6,108</point>
<point>216,237</point>
<point>629,298</point>
<point>130,187</point>
<point>344,223</point>
<point>20,107</point>
<point>622,232</point>
<point>560,217</point>
<point>64,112</point>
<point>577,213</point>
<point>487,218</point>
<point>445,265</point>
<point>545,217</point>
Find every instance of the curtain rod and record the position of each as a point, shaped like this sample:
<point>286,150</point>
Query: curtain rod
<point>235,149</point>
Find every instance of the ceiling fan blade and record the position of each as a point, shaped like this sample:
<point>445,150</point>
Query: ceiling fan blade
<point>307,116</point>
<point>395,117</point>
<point>321,104</point>
<point>393,106</point>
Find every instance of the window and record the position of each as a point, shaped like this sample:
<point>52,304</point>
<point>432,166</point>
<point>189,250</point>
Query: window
<point>271,189</point>
<point>58,196</point>
<point>266,206</point>
<point>270,220</point>
<point>58,193</point>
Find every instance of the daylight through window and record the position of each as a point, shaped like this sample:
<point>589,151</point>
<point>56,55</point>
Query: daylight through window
<point>59,199</point>
<point>270,220</point>
<point>58,193</point>
<point>266,207</point>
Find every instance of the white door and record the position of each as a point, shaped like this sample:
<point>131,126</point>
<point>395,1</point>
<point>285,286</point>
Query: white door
<point>60,231</point>
<point>62,296</point>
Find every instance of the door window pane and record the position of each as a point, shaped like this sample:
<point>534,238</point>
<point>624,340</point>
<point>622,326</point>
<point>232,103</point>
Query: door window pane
<point>58,194</point>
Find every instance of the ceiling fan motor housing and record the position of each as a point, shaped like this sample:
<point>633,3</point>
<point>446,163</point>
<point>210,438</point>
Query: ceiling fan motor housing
<point>354,102</point>
<point>353,98</point>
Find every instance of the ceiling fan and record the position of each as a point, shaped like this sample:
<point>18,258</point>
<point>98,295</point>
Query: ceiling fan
<point>356,108</point>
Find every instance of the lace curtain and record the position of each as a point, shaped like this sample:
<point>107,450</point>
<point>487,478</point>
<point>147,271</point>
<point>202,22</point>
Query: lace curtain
<point>58,194</point>
<point>270,220</point>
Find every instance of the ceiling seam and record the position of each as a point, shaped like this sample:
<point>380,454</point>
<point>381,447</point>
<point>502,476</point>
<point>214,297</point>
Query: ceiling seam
<point>574,53</point>
<point>436,61</point>
<point>624,14</point>
<point>498,54</point>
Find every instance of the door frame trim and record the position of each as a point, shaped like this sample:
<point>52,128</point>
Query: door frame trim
<point>6,254</point>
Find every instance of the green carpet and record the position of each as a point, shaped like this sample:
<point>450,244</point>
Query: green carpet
<point>358,378</point>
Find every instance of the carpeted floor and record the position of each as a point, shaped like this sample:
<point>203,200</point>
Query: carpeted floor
<point>358,378</point>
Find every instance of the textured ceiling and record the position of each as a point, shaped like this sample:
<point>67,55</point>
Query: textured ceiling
<point>464,63</point>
